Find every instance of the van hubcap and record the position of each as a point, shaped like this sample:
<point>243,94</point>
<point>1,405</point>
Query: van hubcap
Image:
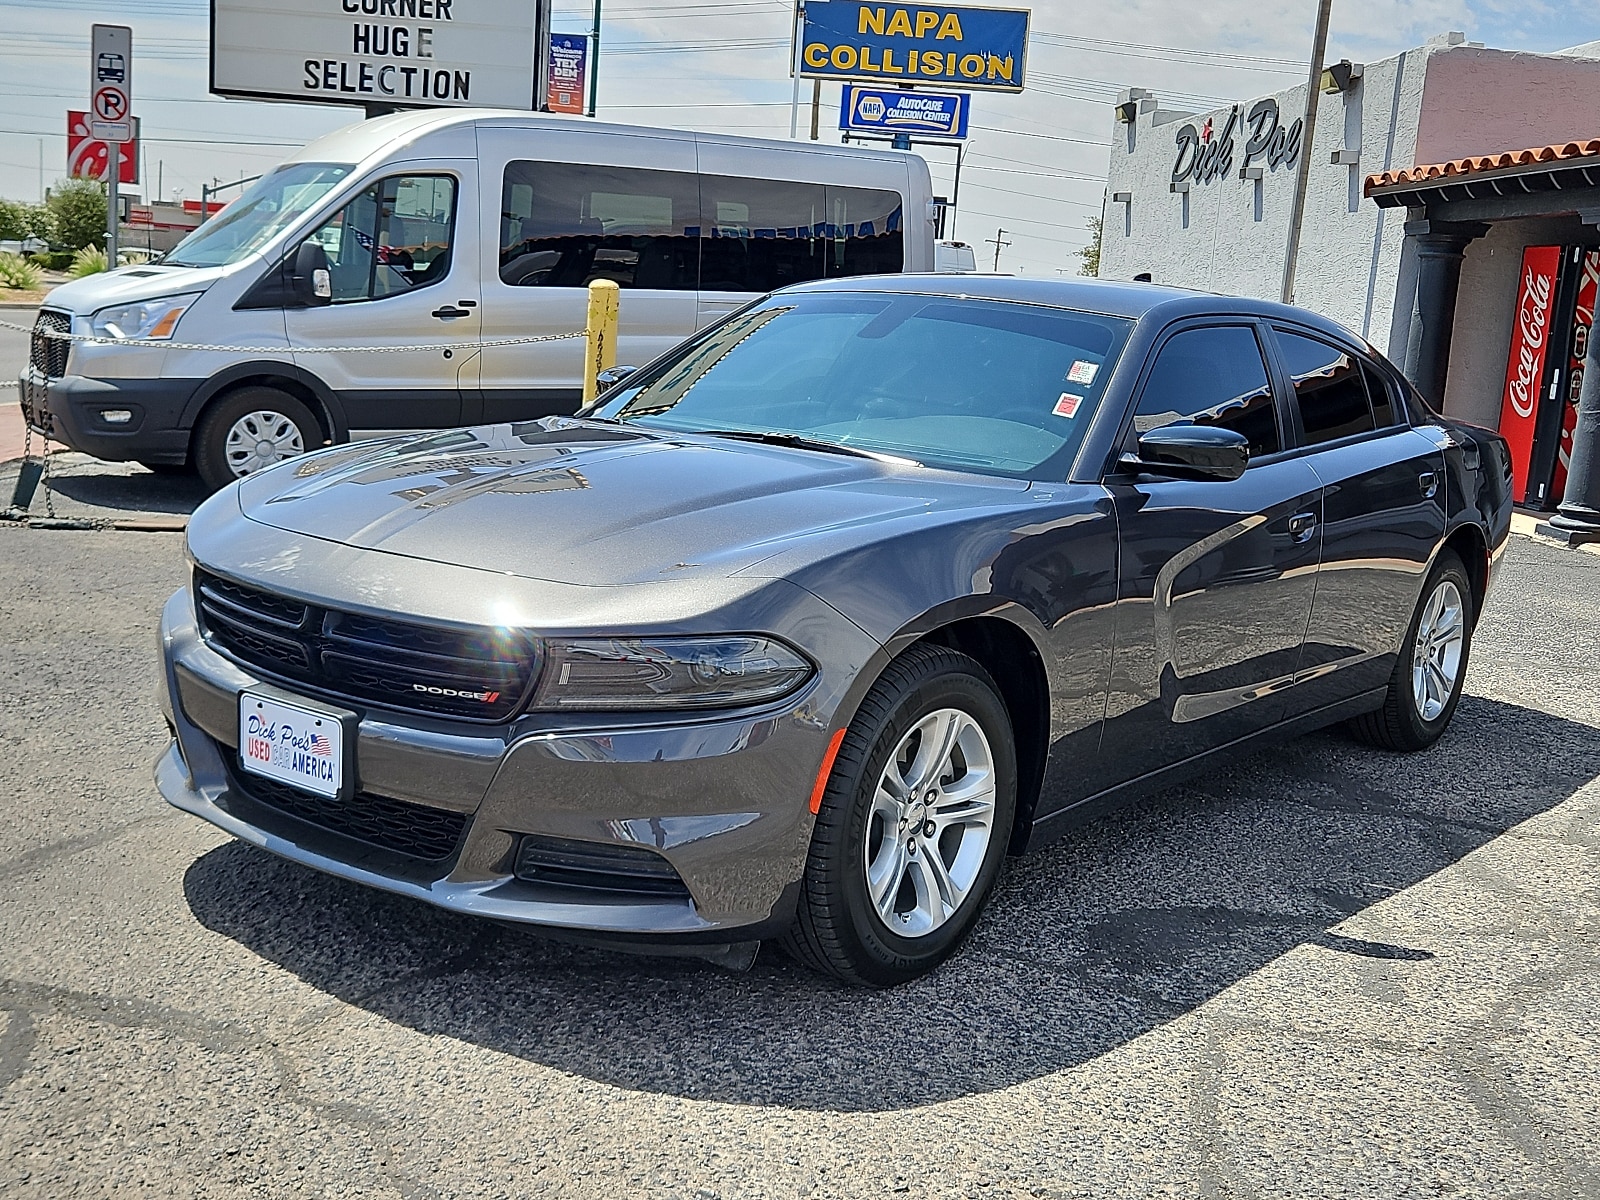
<point>930,823</point>
<point>1436,658</point>
<point>260,439</point>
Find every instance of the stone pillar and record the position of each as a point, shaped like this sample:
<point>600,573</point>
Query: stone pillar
<point>1578,519</point>
<point>1439,246</point>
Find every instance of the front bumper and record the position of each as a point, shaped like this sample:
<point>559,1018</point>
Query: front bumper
<point>71,409</point>
<point>722,799</point>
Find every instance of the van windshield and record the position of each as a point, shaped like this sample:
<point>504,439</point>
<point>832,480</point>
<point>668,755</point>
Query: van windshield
<point>268,205</point>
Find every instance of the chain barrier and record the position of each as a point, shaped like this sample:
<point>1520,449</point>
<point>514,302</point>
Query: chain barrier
<point>22,497</point>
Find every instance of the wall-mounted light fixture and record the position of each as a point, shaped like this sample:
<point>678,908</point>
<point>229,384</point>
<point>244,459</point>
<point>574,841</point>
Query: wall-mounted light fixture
<point>1341,77</point>
<point>1131,102</point>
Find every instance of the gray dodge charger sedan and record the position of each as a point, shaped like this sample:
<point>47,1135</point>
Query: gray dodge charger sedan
<point>804,627</point>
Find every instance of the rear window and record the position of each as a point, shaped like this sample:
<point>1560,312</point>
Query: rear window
<point>985,386</point>
<point>1328,388</point>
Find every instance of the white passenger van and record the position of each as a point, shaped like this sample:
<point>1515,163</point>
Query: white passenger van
<point>453,227</point>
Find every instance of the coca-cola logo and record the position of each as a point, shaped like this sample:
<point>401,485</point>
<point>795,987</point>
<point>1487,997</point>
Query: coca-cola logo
<point>1533,318</point>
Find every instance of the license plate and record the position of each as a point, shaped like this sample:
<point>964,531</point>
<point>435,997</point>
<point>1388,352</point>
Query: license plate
<point>291,744</point>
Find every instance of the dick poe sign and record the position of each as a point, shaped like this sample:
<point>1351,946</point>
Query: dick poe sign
<point>978,48</point>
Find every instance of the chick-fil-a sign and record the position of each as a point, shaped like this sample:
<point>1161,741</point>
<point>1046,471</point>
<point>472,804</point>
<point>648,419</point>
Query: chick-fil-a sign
<point>1530,344</point>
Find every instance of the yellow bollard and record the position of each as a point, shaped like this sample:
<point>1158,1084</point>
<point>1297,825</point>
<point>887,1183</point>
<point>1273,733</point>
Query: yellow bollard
<point>600,333</point>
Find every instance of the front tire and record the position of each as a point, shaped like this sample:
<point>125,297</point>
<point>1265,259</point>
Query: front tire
<point>250,430</point>
<point>1431,667</point>
<point>913,824</point>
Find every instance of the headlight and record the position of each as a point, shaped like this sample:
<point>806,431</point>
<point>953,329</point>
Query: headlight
<point>621,674</point>
<point>148,320</point>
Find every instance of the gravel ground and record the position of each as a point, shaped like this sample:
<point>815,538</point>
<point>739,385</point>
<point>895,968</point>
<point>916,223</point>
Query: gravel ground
<point>1319,971</point>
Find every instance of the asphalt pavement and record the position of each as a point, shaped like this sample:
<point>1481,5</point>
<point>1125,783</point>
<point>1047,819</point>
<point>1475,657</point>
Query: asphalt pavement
<point>1318,971</point>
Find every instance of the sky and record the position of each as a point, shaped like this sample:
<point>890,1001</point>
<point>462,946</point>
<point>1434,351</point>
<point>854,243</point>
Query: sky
<point>1036,163</point>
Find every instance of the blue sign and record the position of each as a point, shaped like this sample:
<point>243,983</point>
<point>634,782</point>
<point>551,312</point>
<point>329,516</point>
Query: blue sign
<point>890,110</point>
<point>974,48</point>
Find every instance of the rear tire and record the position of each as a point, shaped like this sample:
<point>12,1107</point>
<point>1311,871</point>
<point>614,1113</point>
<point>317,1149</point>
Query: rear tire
<point>1431,667</point>
<point>913,823</point>
<point>249,430</point>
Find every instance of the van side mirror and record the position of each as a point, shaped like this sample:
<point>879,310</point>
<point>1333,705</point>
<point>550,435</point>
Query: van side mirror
<point>1191,451</point>
<point>309,277</point>
<point>611,376</point>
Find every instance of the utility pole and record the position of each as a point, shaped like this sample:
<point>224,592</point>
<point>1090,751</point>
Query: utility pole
<point>1297,211</point>
<point>816,106</point>
<point>998,242</point>
<point>794,95</point>
<point>594,59</point>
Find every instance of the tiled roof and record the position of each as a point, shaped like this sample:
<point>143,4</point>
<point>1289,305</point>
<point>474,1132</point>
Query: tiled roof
<point>1488,162</point>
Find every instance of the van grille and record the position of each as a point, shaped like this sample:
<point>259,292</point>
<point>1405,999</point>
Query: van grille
<point>47,354</point>
<point>478,675</point>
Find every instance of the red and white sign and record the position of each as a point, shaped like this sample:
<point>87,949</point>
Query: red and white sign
<point>111,83</point>
<point>86,155</point>
<point>1582,331</point>
<point>1530,345</point>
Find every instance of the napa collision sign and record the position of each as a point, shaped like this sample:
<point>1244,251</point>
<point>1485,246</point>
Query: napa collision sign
<point>890,110</point>
<point>411,53</point>
<point>976,48</point>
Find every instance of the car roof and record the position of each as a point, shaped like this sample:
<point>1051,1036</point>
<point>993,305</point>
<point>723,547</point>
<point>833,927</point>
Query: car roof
<point>1109,297</point>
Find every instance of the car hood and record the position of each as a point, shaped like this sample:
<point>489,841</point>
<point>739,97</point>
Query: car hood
<point>596,504</point>
<point>129,285</point>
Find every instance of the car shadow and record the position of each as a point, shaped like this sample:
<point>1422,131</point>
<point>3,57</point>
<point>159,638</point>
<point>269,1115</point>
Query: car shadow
<point>1128,922</point>
<point>117,488</point>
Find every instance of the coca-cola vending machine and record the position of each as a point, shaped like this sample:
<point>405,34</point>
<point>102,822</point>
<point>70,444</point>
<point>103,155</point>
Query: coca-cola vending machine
<point>1549,338</point>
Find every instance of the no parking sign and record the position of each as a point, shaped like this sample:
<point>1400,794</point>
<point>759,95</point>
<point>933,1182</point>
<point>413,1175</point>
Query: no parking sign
<point>111,84</point>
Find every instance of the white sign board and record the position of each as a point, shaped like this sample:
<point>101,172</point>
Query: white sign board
<point>111,84</point>
<point>406,53</point>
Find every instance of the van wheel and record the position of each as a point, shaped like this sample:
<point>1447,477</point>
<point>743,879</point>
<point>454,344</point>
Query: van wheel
<point>1431,667</point>
<point>249,430</point>
<point>912,826</point>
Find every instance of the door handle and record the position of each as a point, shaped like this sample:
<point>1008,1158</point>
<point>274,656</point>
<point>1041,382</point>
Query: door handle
<point>1429,483</point>
<point>1301,526</point>
<point>450,311</point>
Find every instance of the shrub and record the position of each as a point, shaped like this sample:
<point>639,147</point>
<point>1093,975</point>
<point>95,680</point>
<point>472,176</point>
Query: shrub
<point>52,260</point>
<point>77,213</point>
<point>14,222</point>
<point>18,272</point>
<point>91,260</point>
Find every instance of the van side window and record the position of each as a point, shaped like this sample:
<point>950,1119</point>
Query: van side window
<point>762,234</point>
<point>392,238</point>
<point>568,224</point>
<point>1328,388</point>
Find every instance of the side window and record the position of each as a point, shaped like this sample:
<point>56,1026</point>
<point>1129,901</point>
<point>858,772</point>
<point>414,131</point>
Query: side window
<point>1328,388</point>
<point>760,234</point>
<point>568,224</point>
<point>1384,410</point>
<point>1211,376</point>
<point>392,238</point>
<point>763,234</point>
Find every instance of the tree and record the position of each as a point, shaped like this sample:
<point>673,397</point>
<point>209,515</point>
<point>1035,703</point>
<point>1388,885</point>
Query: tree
<point>14,222</point>
<point>1091,253</point>
<point>77,214</point>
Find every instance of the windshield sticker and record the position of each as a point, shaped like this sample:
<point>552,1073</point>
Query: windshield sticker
<point>1067,406</point>
<point>1083,371</point>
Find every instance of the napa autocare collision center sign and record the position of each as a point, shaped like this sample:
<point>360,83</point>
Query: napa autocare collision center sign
<point>981,48</point>
<point>405,52</point>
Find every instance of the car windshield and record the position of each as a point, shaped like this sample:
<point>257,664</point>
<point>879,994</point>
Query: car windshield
<point>267,207</point>
<point>974,385</point>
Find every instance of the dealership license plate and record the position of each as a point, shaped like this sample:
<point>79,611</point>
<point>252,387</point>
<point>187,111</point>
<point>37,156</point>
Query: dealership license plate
<point>301,747</point>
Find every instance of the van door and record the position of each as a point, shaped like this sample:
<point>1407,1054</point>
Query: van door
<point>769,220</point>
<point>571,207</point>
<point>404,277</point>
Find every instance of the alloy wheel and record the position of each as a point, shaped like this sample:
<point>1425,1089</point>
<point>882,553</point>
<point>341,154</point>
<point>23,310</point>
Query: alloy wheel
<point>259,439</point>
<point>1436,657</point>
<point>929,826</point>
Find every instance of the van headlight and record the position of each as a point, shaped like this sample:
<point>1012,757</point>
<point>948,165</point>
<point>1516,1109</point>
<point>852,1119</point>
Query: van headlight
<point>148,320</point>
<point>629,674</point>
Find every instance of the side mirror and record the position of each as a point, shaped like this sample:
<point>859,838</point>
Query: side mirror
<point>309,279</point>
<point>611,376</point>
<point>1195,451</point>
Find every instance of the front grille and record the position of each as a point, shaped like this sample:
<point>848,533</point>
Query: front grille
<point>48,354</point>
<point>596,867</point>
<point>389,824</point>
<point>478,675</point>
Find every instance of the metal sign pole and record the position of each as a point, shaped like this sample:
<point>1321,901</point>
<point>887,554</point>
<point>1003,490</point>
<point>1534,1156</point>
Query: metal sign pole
<point>794,95</point>
<point>1302,179</point>
<point>113,170</point>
